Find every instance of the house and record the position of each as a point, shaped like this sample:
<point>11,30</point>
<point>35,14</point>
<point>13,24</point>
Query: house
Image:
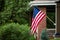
<point>42,5</point>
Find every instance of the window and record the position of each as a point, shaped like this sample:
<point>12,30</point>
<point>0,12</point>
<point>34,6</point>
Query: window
<point>51,16</point>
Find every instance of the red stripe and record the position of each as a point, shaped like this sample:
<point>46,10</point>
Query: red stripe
<point>38,23</point>
<point>40,17</point>
<point>33,24</point>
<point>37,20</point>
<point>38,14</point>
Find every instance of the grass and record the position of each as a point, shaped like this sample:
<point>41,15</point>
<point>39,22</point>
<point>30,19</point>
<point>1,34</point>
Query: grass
<point>55,39</point>
<point>51,39</point>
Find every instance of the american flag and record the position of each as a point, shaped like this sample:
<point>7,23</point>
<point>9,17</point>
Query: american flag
<point>37,17</point>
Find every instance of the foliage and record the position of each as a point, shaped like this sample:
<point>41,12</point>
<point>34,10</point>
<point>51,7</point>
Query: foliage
<point>14,11</point>
<point>44,35</point>
<point>12,14</point>
<point>14,31</point>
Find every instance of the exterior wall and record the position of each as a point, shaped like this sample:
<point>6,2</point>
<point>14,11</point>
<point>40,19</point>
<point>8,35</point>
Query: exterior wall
<point>42,24</point>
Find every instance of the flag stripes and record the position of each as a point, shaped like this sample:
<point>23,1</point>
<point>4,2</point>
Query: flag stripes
<point>38,18</point>
<point>38,23</point>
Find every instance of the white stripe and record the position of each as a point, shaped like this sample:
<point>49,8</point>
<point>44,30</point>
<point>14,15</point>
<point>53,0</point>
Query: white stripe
<point>35,17</point>
<point>38,21</point>
<point>38,13</point>
<point>35,24</point>
<point>39,16</point>
<point>33,27</point>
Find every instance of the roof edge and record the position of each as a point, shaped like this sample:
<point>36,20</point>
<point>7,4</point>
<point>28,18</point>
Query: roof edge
<point>36,3</point>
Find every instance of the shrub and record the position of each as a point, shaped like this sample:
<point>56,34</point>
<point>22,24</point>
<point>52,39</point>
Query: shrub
<point>14,31</point>
<point>44,35</point>
<point>14,11</point>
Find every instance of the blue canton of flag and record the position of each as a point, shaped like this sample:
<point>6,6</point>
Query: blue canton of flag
<point>38,15</point>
